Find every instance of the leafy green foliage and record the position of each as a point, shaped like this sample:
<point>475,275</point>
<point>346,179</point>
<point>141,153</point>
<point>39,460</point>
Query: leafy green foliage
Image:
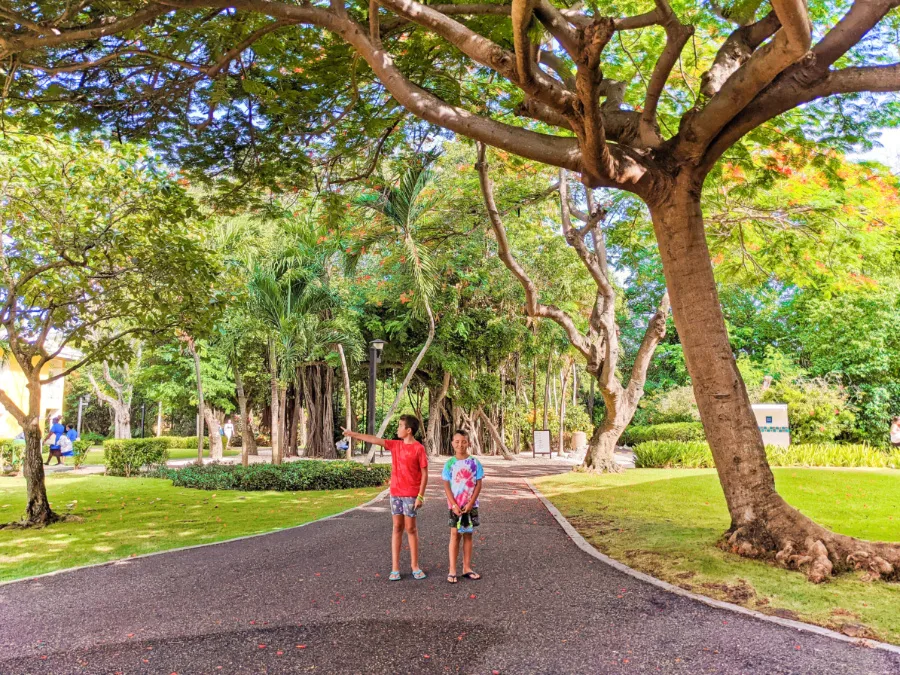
<point>128,457</point>
<point>672,431</point>
<point>697,455</point>
<point>305,474</point>
<point>11,453</point>
<point>80,450</point>
<point>817,409</point>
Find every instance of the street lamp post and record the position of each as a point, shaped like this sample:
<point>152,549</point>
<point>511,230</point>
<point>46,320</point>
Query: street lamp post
<point>375,347</point>
<point>143,412</point>
<point>82,402</point>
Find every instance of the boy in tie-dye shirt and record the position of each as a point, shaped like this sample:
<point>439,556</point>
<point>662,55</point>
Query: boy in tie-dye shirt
<point>462,477</point>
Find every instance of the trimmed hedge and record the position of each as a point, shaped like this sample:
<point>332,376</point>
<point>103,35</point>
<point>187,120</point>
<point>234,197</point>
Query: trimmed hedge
<point>673,431</point>
<point>178,442</point>
<point>126,457</point>
<point>304,474</point>
<point>697,455</point>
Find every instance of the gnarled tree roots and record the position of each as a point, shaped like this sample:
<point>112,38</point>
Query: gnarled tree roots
<point>793,541</point>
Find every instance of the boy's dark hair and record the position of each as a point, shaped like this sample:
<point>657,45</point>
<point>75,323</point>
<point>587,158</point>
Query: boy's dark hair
<point>411,422</point>
<point>460,432</point>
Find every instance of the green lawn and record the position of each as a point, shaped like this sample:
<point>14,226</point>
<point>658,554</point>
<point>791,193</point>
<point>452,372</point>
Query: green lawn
<point>666,522</point>
<point>95,455</point>
<point>130,516</point>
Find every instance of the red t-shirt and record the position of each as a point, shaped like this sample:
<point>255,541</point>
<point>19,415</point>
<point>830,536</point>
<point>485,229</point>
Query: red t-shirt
<point>408,461</point>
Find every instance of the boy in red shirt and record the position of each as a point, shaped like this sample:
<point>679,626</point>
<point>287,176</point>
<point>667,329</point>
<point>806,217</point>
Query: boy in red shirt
<point>409,476</point>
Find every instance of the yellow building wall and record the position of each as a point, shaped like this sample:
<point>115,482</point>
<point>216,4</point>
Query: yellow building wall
<point>13,382</point>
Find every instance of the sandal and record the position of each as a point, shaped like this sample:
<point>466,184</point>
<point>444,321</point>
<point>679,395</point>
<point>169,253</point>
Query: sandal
<point>394,576</point>
<point>419,575</point>
<point>474,576</point>
<point>452,579</point>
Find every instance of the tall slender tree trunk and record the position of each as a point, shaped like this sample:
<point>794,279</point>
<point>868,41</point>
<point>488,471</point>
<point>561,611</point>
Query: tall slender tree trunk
<point>547,394</point>
<point>348,401</point>
<point>495,435</point>
<point>409,375</point>
<point>196,356</point>
<point>561,448</point>
<point>159,421</point>
<point>517,432</point>
<point>248,438</point>
<point>295,420</point>
<point>436,397</point>
<point>276,425</point>
<point>762,523</point>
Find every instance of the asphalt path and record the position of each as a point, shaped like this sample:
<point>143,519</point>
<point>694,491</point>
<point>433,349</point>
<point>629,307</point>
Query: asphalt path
<point>317,599</point>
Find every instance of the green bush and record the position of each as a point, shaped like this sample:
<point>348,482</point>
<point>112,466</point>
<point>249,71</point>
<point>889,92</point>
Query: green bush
<point>673,454</point>
<point>126,457</point>
<point>306,474</point>
<point>11,453</point>
<point>79,451</point>
<point>179,442</point>
<point>93,437</point>
<point>818,410</point>
<point>697,455</point>
<point>673,431</point>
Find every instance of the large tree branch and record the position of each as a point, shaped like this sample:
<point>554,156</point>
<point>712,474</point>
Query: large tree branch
<point>859,20</point>
<point>793,91</point>
<point>656,331</point>
<point>13,408</point>
<point>677,35</point>
<point>790,43</point>
<point>557,24</point>
<point>52,37</point>
<point>735,51</point>
<point>575,239</point>
<point>533,307</point>
<point>99,393</point>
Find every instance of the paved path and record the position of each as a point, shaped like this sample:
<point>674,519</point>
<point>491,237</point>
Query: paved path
<point>317,600</point>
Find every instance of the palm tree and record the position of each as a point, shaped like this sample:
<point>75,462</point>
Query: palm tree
<point>303,318</point>
<point>399,213</point>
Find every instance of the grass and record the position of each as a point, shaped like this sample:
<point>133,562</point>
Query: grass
<point>131,516</point>
<point>95,455</point>
<point>666,522</point>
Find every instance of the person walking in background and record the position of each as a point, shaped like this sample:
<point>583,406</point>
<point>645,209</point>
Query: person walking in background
<point>57,430</point>
<point>895,432</point>
<point>228,430</point>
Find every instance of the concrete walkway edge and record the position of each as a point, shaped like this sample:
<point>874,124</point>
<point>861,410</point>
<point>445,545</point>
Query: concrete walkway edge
<point>118,561</point>
<point>583,544</point>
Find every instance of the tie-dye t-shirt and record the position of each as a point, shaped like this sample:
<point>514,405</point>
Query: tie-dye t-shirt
<point>462,475</point>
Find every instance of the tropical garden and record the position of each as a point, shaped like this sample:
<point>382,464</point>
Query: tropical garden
<point>623,223</point>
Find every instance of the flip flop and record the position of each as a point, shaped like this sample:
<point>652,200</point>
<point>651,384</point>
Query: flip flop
<point>452,579</point>
<point>394,576</point>
<point>419,575</point>
<point>474,576</point>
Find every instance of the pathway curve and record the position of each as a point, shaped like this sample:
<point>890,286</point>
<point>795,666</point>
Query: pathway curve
<point>317,599</point>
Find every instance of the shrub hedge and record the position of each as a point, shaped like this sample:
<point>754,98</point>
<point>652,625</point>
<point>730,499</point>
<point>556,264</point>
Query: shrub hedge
<point>304,474</point>
<point>126,457</point>
<point>697,455</point>
<point>11,453</point>
<point>673,431</point>
<point>79,451</point>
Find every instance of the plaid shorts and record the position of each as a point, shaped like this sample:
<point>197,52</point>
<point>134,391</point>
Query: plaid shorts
<point>403,506</point>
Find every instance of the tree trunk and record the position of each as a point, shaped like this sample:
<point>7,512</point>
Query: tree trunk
<point>409,375</point>
<point>762,523</point>
<point>318,385</point>
<point>248,439</point>
<point>348,406</point>
<point>436,397</point>
<point>295,421</point>
<point>547,394</point>
<point>561,448</point>
<point>275,430</point>
<point>37,508</point>
<point>215,438</point>
<point>517,432</point>
<point>159,421</point>
<point>193,350</point>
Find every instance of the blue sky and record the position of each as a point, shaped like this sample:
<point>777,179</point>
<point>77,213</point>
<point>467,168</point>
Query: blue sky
<point>889,153</point>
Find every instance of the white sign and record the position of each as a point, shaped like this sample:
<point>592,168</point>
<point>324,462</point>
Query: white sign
<point>542,442</point>
<point>772,419</point>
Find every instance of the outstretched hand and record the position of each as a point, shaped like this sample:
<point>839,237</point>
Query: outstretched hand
<point>347,432</point>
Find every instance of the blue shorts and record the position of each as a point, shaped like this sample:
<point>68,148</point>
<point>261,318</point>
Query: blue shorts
<point>403,506</point>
